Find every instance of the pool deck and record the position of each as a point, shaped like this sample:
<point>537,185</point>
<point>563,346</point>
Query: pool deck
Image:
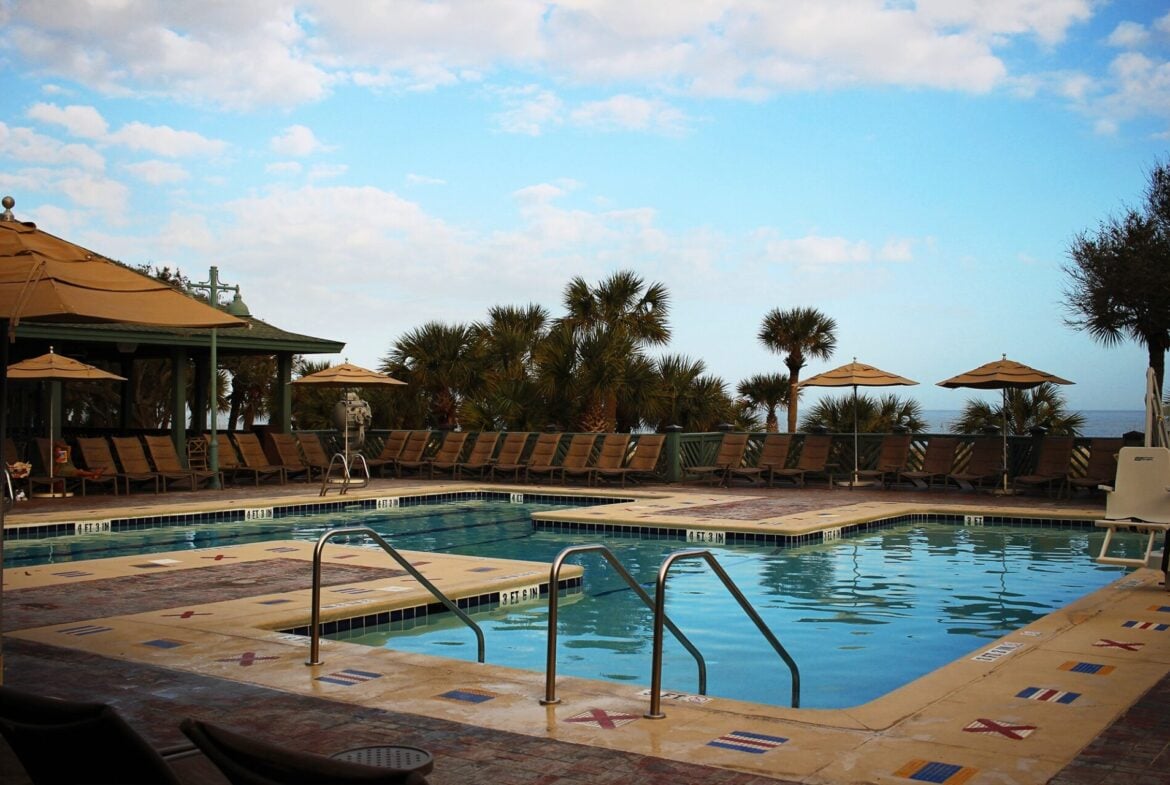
<point>1077,697</point>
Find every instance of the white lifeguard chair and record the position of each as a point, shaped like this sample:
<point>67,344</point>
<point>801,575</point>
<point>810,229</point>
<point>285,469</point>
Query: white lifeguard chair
<point>1139,500</point>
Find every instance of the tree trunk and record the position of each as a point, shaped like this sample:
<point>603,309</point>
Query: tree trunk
<point>595,419</point>
<point>793,390</point>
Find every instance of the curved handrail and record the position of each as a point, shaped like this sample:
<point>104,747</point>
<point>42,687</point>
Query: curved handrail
<point>346,480</point>
<point>655,712</point>
<point>550,674</point>
<point>315,621</point>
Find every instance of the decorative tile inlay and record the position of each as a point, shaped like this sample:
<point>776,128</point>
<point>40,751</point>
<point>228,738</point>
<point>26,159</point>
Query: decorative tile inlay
<point>1005,729</point>
<point>218,557</point>
<point>483,569</point>
<point>277,601</point>
<point>1047,695</point>
<point>468,695</point>
<point>1090,668</point>
<point>84,629</point>
<point>744,741</point>
<point>934,771</point>
<point>1105,643</point>
<point>1159,608</point>
<point>282,549</point>
<point>679,697</point>
<point>349,677</point>
<point>186,614</point>
<point>246,660</point>
<point>1146,625</point>
<point>603,719</point>
<point>164,643</point>
<point>353,590</point>
<point>72,574</point>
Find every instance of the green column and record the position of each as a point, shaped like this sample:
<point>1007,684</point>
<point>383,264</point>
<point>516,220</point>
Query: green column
<point>179,400</point>
<point>673,453</point>
<point>281,420</point>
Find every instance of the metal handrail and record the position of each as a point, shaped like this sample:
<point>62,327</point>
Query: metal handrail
<point>346,480</point>
<point>655,712</point>
<point>550,676</point>
<point>315,620</point>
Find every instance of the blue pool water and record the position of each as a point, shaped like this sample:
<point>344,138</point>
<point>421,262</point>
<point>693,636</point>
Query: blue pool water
<point>861,616</point>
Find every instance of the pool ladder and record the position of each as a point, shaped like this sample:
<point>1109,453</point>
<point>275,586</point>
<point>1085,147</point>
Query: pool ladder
<point>661,621</point>
<point>346,479</point>
<point>315,621</point>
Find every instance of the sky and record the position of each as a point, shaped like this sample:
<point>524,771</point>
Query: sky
<point>915,170</point>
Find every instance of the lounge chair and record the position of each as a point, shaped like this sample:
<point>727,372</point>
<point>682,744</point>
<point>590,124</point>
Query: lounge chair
<point>135,465</point>
<point>1101,468</point>
<point>447,456</point>
<point>231,465</point>
<point>611,455</point>
<point>312,451</point>
<point>508,458</point>
<point>1052,466</point>
<point>289,455</point>
<point>644,461</point>
<point>247,761</point>
<point>64,478</point>
<point>166,462</point>
<point>773,455</point>
<point>937,462</point>
<point>413,455</point>
<point>576,457</point>
<point>542,458</point>
<point>70,742</point>
<point>479,458</point>
<point>731,450</point>
<point>984,464</point>
<point>813,461</point>
<point>891,459</point>
<point>100,467</point>
<point>391,448</point>
<point>255,459</point>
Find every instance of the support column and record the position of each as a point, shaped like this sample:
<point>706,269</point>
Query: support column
<point>179,400</point>
<point>281,419</point>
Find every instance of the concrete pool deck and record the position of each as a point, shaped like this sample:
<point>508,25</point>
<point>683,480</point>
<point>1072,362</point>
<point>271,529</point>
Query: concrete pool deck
<point>1026,709</point>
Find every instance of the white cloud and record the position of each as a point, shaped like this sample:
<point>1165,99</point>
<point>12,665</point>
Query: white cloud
<point>630,113</point>
<point>297,141</point>
<point>327,171</point>
<point>528,110</point>
<point>97,193</point>
<point>83,121</point>
<point>1128,35</point>
<point>422,179</point>
<point>164,140</point>
<point>284,167</point>
<point>158,172</point>
<point>24,144</point>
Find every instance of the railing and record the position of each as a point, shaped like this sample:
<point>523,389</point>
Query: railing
<point>550,673</point>
<point>655,712</point>
<point>315,618</point>
<point>346,480</point>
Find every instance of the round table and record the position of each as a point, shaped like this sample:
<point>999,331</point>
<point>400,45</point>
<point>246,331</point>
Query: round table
<point>389,757</point>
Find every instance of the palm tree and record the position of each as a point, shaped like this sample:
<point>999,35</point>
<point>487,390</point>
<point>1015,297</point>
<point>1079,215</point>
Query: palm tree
<point>437,361</point>
<point>252,390</point>
<point>767,391</point>
<point>800,334</point>
<point>610,324</point>
<point>505,349</point>
<point>874,414</point>
<point>684,395</point>
<point>1042,406</point>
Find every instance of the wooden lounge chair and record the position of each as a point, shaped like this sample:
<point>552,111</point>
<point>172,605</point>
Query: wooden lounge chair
<point>984,464</point>
<point>576,457</point>
<point>412,457</point>
<point>611,455</point>
<point>644,461</point>
<point>64,478</point>
<point>1101,468</point>
<point>773,456</point>
<point>1052,466</point>
<point>891,459</point>
<point>289,455</point>
<point>312,451</point>
<point>542,459</point>
<point>134,463</point>
<point>391,449</point>
<point>447,456</point>
<point>813,461</point>
<point>479,458</point>
<point>937,462</point>
<point>731,450</point>
<point>508,458</point>
<point>100,467</point>
<point>255,459</point>
<point>166,462</point>
<point>231,465</point>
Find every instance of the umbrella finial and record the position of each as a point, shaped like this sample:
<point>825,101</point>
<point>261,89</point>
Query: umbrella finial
<point>8,203</point>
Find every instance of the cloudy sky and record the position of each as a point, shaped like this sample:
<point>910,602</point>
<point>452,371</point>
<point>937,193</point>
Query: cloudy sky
<point>916,170</point>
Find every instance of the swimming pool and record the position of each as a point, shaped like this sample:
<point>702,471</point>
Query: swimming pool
<point>862,616</point>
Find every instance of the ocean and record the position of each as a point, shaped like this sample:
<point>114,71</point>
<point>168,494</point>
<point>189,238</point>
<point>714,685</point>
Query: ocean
<point>1098,422</point>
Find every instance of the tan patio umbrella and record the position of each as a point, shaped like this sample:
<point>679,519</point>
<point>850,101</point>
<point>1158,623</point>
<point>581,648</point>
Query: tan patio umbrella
<point>45,278</point>
<point>856,375</point>
<point>1002,374</point>
<point>53,367</point>
<point>347,376</point>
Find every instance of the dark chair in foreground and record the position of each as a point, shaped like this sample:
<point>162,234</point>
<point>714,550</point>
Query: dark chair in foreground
<point>166,461</point>
<point>984,464</point>
<point>1101,468</point>
<point>508,458</point>
<point>63,742</point>
<point>1052,466</point>
<point>937,463</point>
<point>255,459</point>
<point>248,761</point>
<point>773,456</point>
<point>641,464</point>
<point>479,458</point>
<point>813,461</point>
<point>731,450</point>
<point>891,459</point>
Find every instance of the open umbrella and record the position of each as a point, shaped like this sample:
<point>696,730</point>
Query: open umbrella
<point>347,376</point>
<point>58,368</point>
<point>856,375</point>
<point>1002,374</point>
<point>45,278</point>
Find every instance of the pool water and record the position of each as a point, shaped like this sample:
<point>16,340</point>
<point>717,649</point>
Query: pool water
<point>861,616</point>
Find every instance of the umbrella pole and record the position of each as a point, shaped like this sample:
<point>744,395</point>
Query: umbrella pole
<point>854,483</point>
<point>1005,441</point>
<point>3,458</point>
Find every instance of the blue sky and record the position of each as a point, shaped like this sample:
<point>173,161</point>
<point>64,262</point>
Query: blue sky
<point>916,170</point>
